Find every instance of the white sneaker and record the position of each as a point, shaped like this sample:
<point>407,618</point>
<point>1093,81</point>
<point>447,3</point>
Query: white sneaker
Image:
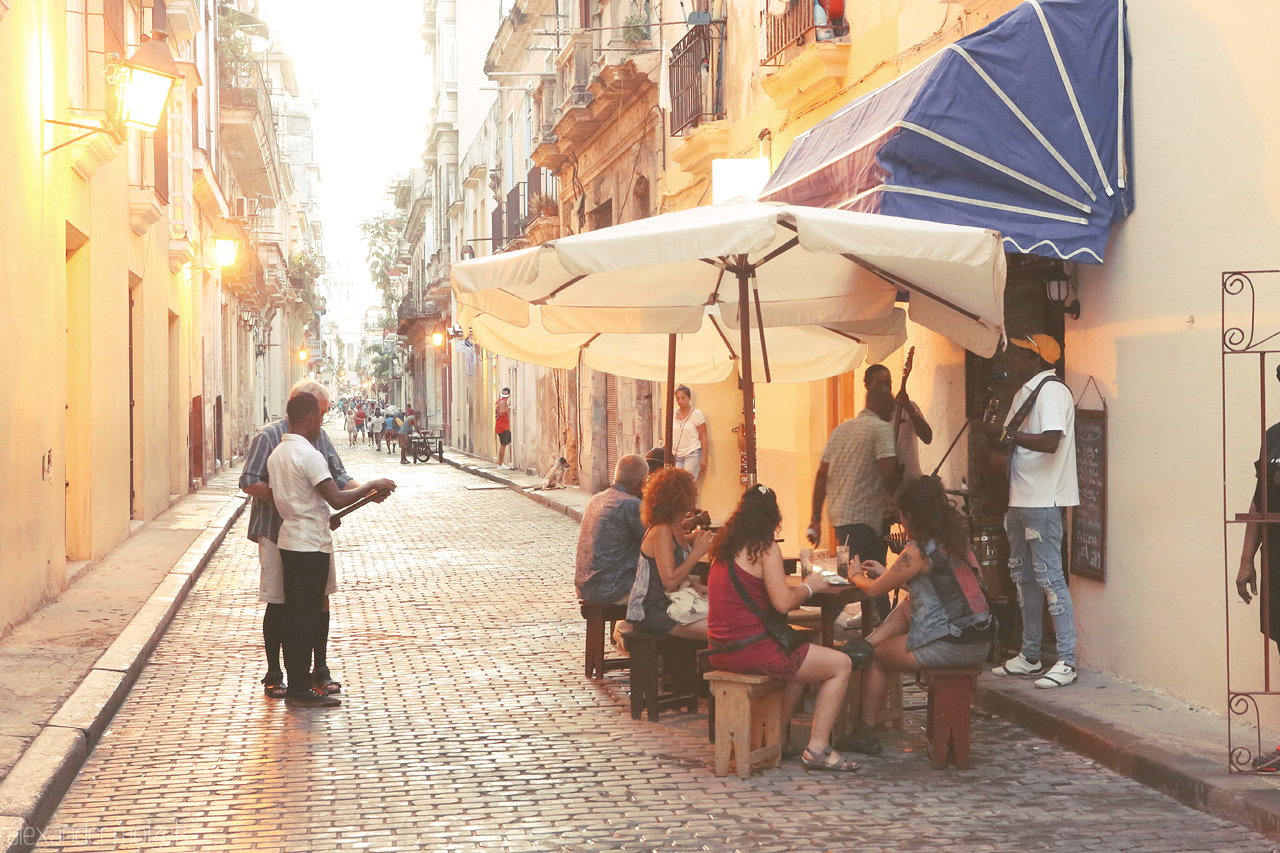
<point>1019,666</point>
<point>1059,675</point>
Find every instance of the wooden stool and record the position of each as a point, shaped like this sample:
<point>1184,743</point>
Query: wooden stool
<point>680,665</point>
<point>597,615</point>
<point>748,724</point>
<point>950,694</point>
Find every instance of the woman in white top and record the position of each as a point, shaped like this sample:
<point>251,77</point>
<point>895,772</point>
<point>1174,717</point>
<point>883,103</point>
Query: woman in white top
<point>690,434</point>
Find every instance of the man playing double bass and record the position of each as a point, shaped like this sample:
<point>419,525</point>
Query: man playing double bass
<point>1040,430</point>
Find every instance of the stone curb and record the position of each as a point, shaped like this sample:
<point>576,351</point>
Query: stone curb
<point>536,497</point>
<point>1192,780</point>
<point>31,792</point>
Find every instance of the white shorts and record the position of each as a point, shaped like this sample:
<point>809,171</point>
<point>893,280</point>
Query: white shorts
<point>271,580</point>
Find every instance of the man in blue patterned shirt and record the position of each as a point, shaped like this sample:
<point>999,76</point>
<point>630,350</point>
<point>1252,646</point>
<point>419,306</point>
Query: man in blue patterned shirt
<point>264,529</point>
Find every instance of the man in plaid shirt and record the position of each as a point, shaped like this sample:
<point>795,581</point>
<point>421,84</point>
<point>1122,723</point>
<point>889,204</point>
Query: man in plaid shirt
<point>859,472</point>
<point>264,529</point>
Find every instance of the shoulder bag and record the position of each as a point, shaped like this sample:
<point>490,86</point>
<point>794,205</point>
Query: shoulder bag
<point>774,622</point>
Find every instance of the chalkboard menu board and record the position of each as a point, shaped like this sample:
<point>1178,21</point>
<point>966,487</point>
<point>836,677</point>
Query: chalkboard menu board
<point>1089,519</point>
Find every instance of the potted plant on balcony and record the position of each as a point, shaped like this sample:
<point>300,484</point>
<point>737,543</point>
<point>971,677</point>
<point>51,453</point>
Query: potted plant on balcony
<point>635,27</point>
<point>541,205</point>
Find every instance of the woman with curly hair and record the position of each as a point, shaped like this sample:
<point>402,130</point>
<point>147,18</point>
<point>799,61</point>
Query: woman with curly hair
<point>667,554</point>
<point>745,549</point>
<point>944,623</point>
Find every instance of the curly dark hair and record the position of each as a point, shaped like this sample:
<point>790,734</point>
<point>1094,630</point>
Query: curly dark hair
<point>928,514</point>
<point>751,526</point>
<point>668,495</point>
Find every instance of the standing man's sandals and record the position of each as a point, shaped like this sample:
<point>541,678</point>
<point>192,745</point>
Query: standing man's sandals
<point>823,761</point>
<point>328,686</point>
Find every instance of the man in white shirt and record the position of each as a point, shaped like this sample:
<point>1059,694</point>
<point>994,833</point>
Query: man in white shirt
<point>303,489</point>
<point>1042,481</point>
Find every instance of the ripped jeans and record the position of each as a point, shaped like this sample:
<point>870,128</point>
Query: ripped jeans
<point>1035,563</point>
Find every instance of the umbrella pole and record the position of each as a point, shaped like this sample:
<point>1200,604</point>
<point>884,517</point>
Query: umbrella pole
<point>671,400</point>
<point>748,388</point>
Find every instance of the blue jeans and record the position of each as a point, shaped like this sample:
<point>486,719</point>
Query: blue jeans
<point>691,463</point>
<point>1035,563</point>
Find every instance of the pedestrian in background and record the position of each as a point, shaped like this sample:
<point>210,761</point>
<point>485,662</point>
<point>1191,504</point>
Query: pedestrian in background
<point>351,426</point>
<point>690,441</point>
<point>407,429</point>
<point>389,428</point>
<point>502,423</point>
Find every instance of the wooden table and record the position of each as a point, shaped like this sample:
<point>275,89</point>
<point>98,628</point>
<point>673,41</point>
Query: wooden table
<point>832,603</point>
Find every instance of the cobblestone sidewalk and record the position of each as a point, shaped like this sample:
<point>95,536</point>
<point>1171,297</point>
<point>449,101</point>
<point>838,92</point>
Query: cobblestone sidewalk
<point>467,725</point>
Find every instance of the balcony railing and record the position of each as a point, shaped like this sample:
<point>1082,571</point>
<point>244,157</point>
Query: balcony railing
<point>543,192</point>
<point>243,85</point>
<point>517,210</point>
<point>796,26</point>
<point>496,230</point>
<point>697,91</point>
<point>415,306</point>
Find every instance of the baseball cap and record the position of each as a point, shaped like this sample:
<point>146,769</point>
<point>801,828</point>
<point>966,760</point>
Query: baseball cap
<point>1042,345</point>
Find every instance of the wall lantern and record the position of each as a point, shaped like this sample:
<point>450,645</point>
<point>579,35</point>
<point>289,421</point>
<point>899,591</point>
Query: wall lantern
<point>227,251</point>
<point>248,319</point>
<point>144,82</point>
<point>302,354</point>
<point>149,76</point>
<point>468,252</point>
<point>1062,293</point>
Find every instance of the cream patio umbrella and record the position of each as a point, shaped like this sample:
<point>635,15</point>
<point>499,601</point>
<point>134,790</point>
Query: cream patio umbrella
<point>792,266</point>
<point>796,354</point>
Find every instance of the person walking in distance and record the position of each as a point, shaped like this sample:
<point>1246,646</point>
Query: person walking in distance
<point>264,530</point>
<point>1041,431</point>
<point>502,424</point>
<point>407,428</point>
<point>303,491</point>
<point>360,419</point>
<point>690,443</point>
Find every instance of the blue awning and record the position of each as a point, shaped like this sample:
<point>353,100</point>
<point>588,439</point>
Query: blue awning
<point>1023,127</point>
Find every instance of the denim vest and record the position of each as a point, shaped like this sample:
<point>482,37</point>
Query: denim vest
<point>946,598</point>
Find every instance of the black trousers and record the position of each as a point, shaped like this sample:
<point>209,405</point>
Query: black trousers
<point>867,543</point>
<point>306,573</point>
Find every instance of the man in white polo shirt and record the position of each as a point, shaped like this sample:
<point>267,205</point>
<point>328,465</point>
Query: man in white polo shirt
<point>1041,428</point>
<point>303,489</point>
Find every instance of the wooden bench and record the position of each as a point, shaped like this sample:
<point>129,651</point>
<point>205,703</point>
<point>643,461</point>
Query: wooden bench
<point>947,726</point>
<point>748,720</point>
<point>680,666</point>
<point>597,615</point>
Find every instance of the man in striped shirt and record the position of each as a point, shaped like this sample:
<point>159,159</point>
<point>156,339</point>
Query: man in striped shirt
<point>264,529</point>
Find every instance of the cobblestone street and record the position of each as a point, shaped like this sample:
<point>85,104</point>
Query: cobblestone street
<point>466,724</point>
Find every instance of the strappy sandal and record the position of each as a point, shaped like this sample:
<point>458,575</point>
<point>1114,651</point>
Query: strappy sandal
<point>327,685</point>
<point>821,761</point>
<point>273,689</point>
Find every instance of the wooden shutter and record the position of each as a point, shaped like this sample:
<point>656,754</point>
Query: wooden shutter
<point>611,422</point>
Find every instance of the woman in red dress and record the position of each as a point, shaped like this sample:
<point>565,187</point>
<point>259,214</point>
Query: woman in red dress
<point>739,641</point>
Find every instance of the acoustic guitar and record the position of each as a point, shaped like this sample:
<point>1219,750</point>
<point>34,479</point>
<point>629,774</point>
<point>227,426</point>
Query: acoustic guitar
<point>999,457</point>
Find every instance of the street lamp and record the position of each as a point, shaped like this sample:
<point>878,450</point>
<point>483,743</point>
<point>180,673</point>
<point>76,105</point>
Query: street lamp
<point>143,81</point>
<point>149,76</point>
<point>302,355</point>
<point>1060,290</point>
<point>248,319</point>
<point>227,251</point>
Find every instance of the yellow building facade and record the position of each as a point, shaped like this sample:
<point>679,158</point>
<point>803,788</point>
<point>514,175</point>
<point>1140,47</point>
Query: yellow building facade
<point>115,324</point>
